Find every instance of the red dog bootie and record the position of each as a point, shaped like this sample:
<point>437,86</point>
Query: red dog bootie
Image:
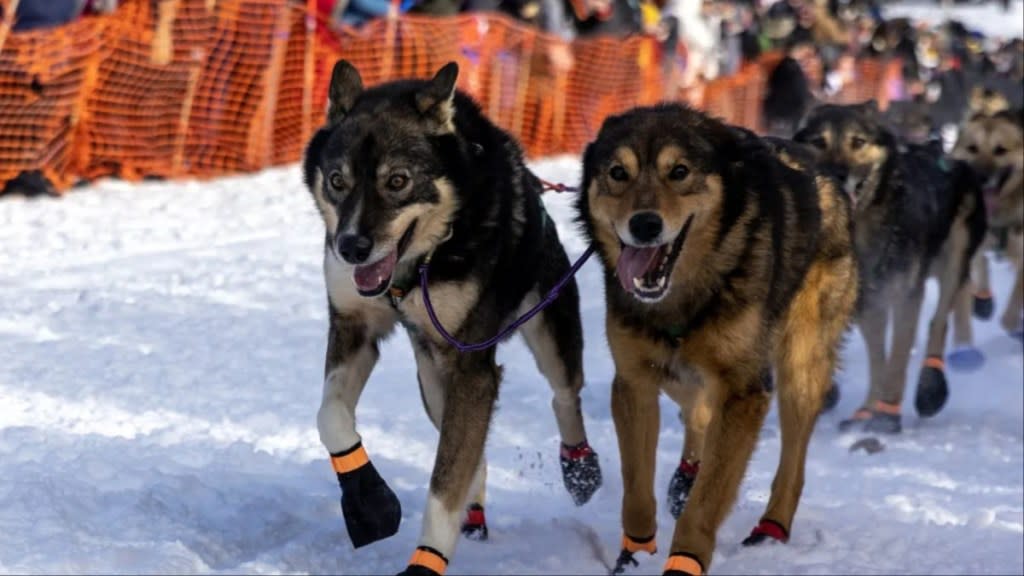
<point>581,471</point>
<point>764,530</point>
<point>474,526</point>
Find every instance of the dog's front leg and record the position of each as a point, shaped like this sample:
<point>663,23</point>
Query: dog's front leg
<point>739,403</point>
<point>1013,317</point>
<point>470,392</point>
<point>371,509</point>
<point>639,373</point>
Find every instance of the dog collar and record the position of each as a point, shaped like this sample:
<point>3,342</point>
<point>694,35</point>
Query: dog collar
<point>401,286</point>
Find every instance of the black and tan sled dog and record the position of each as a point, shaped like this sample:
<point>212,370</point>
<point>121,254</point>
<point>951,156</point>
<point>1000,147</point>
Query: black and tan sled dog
<point>917,214</point>
<point>725,263</point>
<point>412,173</point>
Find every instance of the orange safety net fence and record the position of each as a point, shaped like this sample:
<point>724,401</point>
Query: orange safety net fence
<point>169,88</point>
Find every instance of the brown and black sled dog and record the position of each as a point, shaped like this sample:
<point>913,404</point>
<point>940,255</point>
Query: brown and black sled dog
<point>725,261</point>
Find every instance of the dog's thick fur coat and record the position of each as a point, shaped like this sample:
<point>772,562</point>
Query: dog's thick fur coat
<point>917,215</point>
<point>412,172</point>
<point>725,261</point>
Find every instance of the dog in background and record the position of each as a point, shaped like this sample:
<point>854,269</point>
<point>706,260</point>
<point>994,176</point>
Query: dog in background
<point>411,174</point>
<point>993,145</point>
<point>916,215</point>
<point>723,265</point>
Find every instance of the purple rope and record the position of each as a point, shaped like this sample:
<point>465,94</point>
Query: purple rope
<point>547,301</point>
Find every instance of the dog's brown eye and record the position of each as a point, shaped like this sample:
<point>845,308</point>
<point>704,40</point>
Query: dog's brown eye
<point>336,181</point>
<point>857,142</point>
<point>678,172</point>
<point>999,151</point>
<point>973,149</point>
<point>618,173</point>
<point>397,181</point>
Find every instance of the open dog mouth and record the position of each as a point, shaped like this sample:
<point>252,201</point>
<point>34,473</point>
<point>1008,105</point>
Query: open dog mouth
<point>373,279</point>
<point>994,185</point>
<point>644,271</point>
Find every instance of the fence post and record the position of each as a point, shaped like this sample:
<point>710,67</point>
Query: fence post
<point>523,82</point>
<point>261,137</point>
<point>177,162</point>
<point>308,73</point>
<point>8,22</point>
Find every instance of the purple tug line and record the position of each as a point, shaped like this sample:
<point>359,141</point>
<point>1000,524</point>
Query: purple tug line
<point>551,296</point>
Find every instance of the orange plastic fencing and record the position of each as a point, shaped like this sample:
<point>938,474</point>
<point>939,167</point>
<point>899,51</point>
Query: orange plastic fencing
<point>169,88</point>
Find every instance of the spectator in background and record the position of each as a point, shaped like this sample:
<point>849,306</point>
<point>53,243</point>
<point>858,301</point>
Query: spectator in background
<point>435,7</point>
<point>589,18</point>
<point>357,12</point>
<point>699,28</point>
<point>548,15</point>
<point>38,14</point>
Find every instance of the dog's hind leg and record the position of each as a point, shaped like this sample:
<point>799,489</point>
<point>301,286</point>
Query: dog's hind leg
<point>695,414</point>
<point>983,304</point>
<point>932,387</point>
<point>963,331</point>
<point>1013,317</point>
<point>873,323</point>
<point>432,391</point>
<point>371,509</point>
<point>471,388</point>
<point>806,361</point>
<point>906,315</point>
<point>555,337</point>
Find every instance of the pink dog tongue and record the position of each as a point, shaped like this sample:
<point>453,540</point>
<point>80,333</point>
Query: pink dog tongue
<point>369,278</point>
<point>633,263</point>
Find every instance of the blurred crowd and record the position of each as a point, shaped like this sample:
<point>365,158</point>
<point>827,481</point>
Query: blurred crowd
<point>720,35</point>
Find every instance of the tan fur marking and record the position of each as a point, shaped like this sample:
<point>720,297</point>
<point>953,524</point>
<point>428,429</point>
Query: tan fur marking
<point>628,159</point>
<point>433,221</point>
<point>451,301</point>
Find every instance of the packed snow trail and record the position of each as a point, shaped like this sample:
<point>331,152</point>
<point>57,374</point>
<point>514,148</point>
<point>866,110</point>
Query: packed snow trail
<point>161,357</point>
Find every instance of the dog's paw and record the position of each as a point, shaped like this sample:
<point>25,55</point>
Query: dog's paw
<point>857,420</point>
<point>883,423</point>
<point>831,398</point>
<point>581,471</point>
<point>371,509</point>
<point>474,527</point>
<point>425,561</point>
<point>932,389</point>
<point>418,571</point>
<point>983,307</point>
<point>630,546</point>
<point>683,565</point>
<point>965,359</point>
<point>766,531</point>
<point>680,485</point>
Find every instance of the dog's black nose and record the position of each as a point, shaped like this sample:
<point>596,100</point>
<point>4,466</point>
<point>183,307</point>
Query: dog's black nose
<point>645,226</point>
<point>355,248</point>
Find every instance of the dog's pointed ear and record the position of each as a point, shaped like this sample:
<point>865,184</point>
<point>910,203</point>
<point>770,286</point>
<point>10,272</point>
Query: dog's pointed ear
<point>346,86</point>
<point>437,98</point>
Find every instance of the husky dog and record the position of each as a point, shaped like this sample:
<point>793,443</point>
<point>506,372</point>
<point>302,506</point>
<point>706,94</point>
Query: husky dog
<point>916,214</point>
<point>412,174</point>
<point>994,146</point>
<point>723,263</point>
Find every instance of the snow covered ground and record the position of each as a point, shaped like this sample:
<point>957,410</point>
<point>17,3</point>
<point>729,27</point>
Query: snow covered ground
<point>987,16</point>
<point>161,354</point>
